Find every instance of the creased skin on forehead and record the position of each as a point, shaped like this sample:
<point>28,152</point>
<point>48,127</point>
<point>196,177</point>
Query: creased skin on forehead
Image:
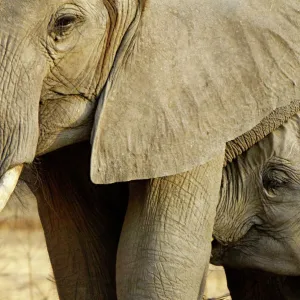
<point>261,130</point>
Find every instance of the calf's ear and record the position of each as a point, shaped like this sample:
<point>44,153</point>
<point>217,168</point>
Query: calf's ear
<point>188,77</point>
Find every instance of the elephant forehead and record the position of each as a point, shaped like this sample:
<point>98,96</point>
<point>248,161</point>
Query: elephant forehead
<point>198,75</point>
<point>283,143</point>
<point>269,124</point>
<point>18,15</point>
<point>21,12</point>
<point>286,140</point>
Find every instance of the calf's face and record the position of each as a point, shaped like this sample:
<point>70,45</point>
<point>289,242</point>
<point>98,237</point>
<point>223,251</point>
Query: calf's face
<point>258,217</point>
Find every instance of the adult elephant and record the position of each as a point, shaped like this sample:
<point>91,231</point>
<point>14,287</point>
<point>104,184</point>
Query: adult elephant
<point>158,87</point>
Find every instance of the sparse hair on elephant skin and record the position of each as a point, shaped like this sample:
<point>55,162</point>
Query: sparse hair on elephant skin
<point>82,222</point>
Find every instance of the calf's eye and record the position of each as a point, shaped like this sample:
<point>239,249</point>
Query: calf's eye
<point>273,180</point>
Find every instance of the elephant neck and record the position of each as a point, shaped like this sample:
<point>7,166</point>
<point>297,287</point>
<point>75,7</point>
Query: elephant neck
<point>265,127</point>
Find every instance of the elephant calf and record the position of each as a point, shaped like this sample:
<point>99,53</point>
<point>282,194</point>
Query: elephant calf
<point>258,217</point>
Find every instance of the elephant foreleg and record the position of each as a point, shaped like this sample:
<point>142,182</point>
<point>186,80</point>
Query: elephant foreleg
<point>165,243</point>
<point>82,224</point>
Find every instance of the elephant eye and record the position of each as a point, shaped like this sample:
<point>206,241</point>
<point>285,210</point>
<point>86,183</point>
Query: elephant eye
<point>275,179</point>
<point>63,25</point>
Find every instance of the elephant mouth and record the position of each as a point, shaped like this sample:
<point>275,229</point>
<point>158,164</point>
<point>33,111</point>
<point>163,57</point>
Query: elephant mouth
<point>217,252</point>
<point>8,182</point>
<point>230,255</point>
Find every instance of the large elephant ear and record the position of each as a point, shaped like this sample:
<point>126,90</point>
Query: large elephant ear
<point>189,76</point>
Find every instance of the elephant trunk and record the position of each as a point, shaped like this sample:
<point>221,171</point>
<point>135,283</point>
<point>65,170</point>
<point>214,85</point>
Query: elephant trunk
<point>19,101</point>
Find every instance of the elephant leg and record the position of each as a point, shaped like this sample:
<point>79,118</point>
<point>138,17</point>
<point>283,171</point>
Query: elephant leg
<point>165,242</point>
<point>82,224</point>
<point>259,285</point>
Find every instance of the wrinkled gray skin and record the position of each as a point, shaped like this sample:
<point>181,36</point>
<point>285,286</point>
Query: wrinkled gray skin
<point>158,96</point>
<point>55,58</point>
<point>258,222</point>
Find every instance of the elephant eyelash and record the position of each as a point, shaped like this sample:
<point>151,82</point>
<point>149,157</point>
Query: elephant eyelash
<point>275,177</point>
<point>65,22</point>
<point>272,184</point>
<point>63,25</point>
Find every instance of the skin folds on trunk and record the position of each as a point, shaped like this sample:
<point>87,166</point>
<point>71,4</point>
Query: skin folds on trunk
<point>165,242</point>
<point>19,102</point>
<point>19,99</point>
<point>19,105</point>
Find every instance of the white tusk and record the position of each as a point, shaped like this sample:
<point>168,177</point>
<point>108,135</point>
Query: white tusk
<point>8,184</point>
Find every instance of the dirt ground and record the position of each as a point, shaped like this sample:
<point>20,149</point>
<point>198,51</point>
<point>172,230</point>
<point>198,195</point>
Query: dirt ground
<point>25,270</point>
<point>216,286</point>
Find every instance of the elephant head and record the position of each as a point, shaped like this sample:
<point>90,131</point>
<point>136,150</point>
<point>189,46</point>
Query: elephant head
<point>257,222</point>
<point>157,86</point>
<point>55,60</point>
<point>160,77</point>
